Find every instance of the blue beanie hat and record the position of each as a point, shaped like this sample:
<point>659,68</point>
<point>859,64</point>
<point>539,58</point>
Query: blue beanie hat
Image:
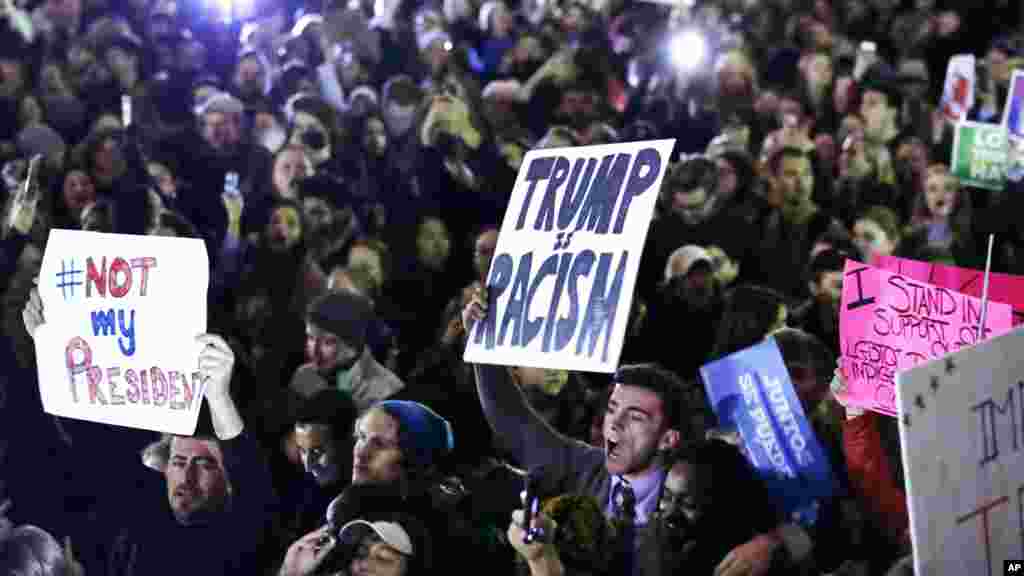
<point>423,435</point>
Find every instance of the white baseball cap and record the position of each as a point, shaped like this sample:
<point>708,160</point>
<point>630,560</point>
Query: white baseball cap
<point>391,533</point>
<point>684,258</point>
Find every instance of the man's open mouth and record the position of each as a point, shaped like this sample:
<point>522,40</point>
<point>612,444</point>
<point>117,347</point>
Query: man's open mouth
<point>611,449</point>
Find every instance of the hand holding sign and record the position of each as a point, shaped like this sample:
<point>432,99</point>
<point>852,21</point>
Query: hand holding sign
<point>216,363</point>
<point>839,392</point>
<point>5,524</point>
<point>475,310</point>
<point>32,315</point>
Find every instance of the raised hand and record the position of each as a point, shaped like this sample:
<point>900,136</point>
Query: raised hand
<point>753,558</point>
<point>5,524</point>
<point>542,555</point>
<point>838,387</point>
<point>75,568</point>
<point>23,207</point>
<point>32,314</point>
<point>216,362</point>
<point>475,310</point>
<point>308,553</point>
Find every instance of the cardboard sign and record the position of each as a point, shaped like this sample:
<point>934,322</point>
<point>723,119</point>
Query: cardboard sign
<point>889,323</point>
<point>122,314</point>
<point>1013,121</point>
<point>751,393</point>
<point>1005,288</point>
<point>961,429</point>
<point>958,90</point>
<point>561,282</point>
<point>1013,111</point>
<point>980,155</point>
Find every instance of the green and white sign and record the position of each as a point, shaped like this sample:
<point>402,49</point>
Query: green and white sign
<point>980,155</point>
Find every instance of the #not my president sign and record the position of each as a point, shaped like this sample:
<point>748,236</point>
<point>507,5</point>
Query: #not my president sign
<point>889,322</point>
<point>561,282</point>
<point>122,314</point>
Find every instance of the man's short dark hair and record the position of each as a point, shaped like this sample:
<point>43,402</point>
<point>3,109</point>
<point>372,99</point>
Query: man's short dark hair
<point>329,407</point>
<point>681,404</point>
<point>828,260</point>
<point>29,549</point>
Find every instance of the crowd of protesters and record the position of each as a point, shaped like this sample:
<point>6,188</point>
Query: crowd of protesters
<point>347,167</point>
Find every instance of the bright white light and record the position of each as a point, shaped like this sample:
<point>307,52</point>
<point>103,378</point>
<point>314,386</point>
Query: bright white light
<point>233,10</point>
<point>688,49</point>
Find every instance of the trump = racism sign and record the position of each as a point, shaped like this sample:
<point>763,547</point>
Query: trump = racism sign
<point>122,316</point>
<point>561,281</point>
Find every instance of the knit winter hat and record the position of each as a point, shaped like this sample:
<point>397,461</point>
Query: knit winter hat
<point>344,314</point>
<point>221,102</point>
<point>424,436</point>
<point>39,139</point>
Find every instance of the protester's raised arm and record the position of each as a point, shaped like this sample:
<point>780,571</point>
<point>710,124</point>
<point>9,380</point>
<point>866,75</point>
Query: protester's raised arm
<point>522,431</point>
<point>32,314</point>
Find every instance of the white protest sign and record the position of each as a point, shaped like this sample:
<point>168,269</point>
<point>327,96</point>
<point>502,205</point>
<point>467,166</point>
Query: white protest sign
<point>122,314</point>
<point>962,430</point>
<point>561,281</point>
<point>958,89</point>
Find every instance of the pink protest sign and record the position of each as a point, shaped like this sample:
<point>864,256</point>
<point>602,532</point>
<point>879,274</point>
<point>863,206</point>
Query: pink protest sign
<point>889,322</point>
<point>1005,288</point>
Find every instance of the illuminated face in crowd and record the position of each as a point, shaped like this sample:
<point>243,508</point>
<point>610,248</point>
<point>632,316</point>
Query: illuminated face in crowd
<point>290,166</point>
<point>941,194</point>
<point>250,77</point>
<point>374,557</point>
<point>223,132</point>
<point>433,244</point>
<point>871,238</point>
<point>318,452</point>
<point>376,456</point>
<point>828,288</point>
<point>330,354</point>
<point>285,228</point>
<point>78,192</point>
<point>634,430</point>
<point>681,495</point>
<point>794,182</point>
<point>197,485</point>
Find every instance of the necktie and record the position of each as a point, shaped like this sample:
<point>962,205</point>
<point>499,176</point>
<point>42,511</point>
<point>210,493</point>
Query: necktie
<point>625,516</point>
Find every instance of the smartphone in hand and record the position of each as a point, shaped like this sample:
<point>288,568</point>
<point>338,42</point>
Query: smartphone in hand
<point>867,55</point>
